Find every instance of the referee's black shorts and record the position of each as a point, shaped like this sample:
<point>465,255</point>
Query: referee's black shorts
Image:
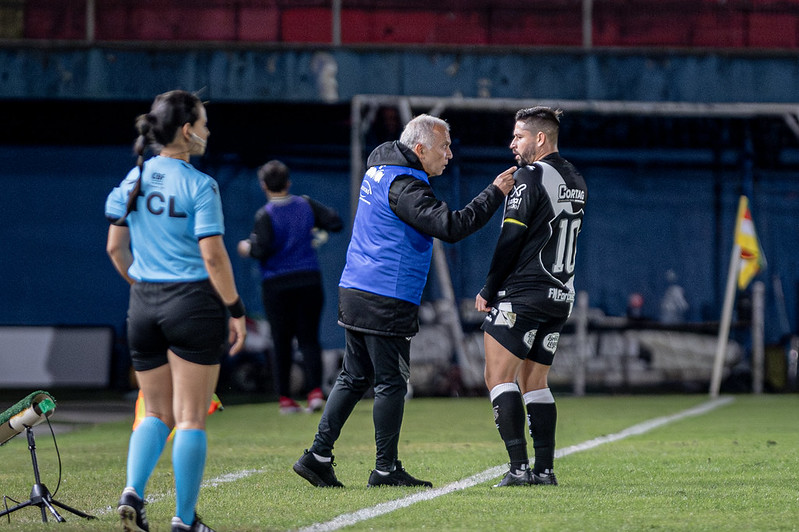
<point>187,318</point>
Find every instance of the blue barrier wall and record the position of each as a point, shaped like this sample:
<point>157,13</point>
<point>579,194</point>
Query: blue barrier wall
<point>641,221</point>
<point>650,209</point>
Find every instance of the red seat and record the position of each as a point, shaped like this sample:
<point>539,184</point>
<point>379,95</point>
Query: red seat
<point>767,30</point>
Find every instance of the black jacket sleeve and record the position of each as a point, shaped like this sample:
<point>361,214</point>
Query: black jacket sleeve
<point>414,202</point>
<point>261,236</point>
<point>325,217</point>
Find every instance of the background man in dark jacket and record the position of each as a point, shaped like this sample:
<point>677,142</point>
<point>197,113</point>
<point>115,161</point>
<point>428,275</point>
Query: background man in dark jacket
<point>380,290</point>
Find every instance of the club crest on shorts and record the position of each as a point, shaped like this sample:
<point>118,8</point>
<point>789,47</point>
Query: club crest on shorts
<point>550,342</point>
<point>504,315</point>
<point>529,338</point>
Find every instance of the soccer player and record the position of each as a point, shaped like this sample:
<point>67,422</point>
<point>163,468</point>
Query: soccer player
<point>381,287</point>
<point>529,292</point>
<point>165,239</point>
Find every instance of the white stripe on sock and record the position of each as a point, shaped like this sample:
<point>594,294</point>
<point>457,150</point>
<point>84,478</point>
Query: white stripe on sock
<point>539,396</point>
<point>499,389</point>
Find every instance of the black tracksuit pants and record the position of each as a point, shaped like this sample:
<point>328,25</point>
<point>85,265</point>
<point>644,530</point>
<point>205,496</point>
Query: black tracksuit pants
<point>382,361</point>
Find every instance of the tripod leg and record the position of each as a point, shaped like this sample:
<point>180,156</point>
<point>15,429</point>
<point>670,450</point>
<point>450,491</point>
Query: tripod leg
<point>46,502</point>
<point>73,510</point>
<point>15,508</point>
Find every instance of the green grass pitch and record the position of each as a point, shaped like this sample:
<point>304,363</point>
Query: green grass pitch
<point>733,468</point>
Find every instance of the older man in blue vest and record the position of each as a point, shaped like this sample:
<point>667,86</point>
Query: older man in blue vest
<point>381,287</point>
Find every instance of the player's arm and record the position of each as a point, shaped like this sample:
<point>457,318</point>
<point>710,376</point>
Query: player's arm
<point>118,249</point>
<point>506,255</point>
<point>511,237</point>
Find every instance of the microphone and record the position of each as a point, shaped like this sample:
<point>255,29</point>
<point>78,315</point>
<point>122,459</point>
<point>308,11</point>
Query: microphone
<point>28,412</point>
<point>199,140</point>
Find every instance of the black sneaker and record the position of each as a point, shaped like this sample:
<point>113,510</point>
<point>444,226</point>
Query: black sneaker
<point>519,478</point>
<point>197,526</point>
<point>547,478</point>
<point>131,511</point>
<point>320,474</point>
<point>398,477</point>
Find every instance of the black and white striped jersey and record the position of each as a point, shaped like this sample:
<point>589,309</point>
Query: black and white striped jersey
<point>534,260</point>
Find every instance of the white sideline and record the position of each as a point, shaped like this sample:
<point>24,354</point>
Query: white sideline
<point>210,483</point>
<point>387,507</point>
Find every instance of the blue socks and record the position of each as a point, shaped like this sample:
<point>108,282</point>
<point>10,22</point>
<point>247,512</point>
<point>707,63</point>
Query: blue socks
<point>145,448</point>
<point>188,463</point>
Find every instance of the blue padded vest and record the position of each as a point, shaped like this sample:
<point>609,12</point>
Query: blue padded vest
<point>386,256</point>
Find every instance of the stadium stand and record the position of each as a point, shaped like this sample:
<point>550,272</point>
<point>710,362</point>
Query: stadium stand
<point>614,23</point>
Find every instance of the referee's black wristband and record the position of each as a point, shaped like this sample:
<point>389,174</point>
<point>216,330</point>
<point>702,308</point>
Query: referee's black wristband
<point>236,309</point>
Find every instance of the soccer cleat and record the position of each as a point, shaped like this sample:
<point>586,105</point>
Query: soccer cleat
<point>289,405</point>
<point>131,511</point>
<point>398,477</point>
<point>519,478</point>
<point>547,477</point>
<point>316,400</point>
<point>320,474</point>
<point>197,526</point>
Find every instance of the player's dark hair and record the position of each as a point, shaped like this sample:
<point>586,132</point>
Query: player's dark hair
<point>274,175</point>
<point>541,118</point>
<point>168,113</point>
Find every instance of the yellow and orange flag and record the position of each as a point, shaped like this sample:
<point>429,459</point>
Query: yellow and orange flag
<point>216,404</point>
<point>752,258</point>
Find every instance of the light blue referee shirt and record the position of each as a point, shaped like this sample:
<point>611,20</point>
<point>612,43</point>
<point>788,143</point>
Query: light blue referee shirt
<point>178,205</point>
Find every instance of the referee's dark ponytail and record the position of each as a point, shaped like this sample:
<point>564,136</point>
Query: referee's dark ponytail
<point>168,113</point>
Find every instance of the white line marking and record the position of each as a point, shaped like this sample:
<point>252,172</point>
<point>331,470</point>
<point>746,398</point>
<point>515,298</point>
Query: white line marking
<point>387,507</point>
<point>210,483</point>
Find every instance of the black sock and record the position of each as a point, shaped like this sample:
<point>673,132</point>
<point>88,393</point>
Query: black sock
<point>542,418</point>
<point>509,418</point>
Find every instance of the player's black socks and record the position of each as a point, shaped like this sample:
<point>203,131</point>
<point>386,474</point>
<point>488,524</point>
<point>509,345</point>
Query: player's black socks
<point>542,418</point>
<point>509,418</point>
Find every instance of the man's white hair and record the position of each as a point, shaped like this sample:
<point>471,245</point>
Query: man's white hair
<point>420,131</point>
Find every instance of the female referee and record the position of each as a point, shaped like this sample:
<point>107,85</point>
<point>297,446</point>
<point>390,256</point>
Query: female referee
<point>165,239</point>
